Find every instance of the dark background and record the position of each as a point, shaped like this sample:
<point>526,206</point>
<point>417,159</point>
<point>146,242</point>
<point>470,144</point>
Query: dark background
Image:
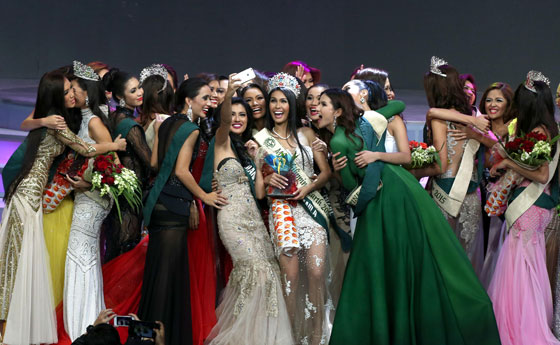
<point>494,40</point>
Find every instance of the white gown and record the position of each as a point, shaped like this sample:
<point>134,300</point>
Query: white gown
<point>83,283</point>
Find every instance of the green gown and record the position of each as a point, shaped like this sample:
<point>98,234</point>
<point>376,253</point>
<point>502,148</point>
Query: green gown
<point>408,281</point>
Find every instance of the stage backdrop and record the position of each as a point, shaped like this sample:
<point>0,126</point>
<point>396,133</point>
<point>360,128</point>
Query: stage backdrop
<point>493,40</point>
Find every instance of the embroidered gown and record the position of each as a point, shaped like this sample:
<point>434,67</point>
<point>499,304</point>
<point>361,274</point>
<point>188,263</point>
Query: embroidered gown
<point>408,281</point>
<point>26,299</point>
<point>252,309</point>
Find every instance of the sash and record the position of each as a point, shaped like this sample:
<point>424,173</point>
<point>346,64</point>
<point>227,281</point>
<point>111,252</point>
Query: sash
<point>531,194</point>
<point>313,203</point>
<point>451,202</point>
<point>207,171</point>
<point>167,165</point>
<point>124,127</point>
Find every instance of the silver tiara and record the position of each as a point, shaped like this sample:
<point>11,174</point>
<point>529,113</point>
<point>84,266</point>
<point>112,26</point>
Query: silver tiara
<point>534,76</point>
<point>155,69</point>
<point>435,65</point>
<point>286,81</point>
<point>84,71</point>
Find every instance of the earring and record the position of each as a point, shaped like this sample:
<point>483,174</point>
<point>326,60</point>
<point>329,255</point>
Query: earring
<point>87,101</point>
<point>362,100</point>
<point>122,103</point>
<point>189,113</point>
<point>334,123</point>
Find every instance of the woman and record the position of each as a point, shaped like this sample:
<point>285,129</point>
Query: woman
<point>83,282</point>
<point>520,289</point>
<point>252,309</point>
<point>307,74</point>
<point>127,92</point>
<point>312,103</point>
<point>257,98</point>
<point>377,75</point>
<point>166,292</point>
<point>158,99</point>
<point>407,280</point>
<point>305,266</point>
<point>26,294</point>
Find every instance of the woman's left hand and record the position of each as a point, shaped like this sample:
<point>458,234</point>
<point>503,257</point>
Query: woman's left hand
<point>497,169</point>
<point>363,158</point>
<point>252,148</point>
<point>78,182</point>
<point>462,132</point>
<point>319,146</point>
<point>193,218</point>
<point>301,193</point>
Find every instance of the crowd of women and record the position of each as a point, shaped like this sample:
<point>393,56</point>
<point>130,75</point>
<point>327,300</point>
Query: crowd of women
<point>280,210</point>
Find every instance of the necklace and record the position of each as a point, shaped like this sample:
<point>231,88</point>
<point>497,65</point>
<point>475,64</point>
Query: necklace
<point>281,137</point>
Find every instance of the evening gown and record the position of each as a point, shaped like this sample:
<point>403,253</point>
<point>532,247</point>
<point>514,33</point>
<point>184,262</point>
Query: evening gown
<point>26,300</point>
<point>408,281</point>
<point>252,308</point>
<point>83,283</point>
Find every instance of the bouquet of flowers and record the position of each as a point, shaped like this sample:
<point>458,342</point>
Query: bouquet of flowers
<point>282,164</point>
<point>115,180</point>
<point>422,155</point>
<point>56,190</point>
<point>529,151</point>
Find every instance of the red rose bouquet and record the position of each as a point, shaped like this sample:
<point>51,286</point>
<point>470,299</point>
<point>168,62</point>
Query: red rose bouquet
<point>422,155</point>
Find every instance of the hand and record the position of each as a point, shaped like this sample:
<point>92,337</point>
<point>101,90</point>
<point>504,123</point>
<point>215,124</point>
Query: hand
<point>363,158</point>
<point>339,163</point>
<point>78,182</point>
<point>462,132</point>
<point>186,76</point>
<point>482,123</point>
<point>134,316</point>
<point>319,146</point>
<point>252,148</point>
<point>160,334</point>
<point>215,184</point>
<point>301,193</point>
<point>233,85</point>
<point>193,218</point>
<point>498,169</point>
<point>276,180</point>
<point>104,317</point>
<point>54,122</point>
<point>121,143</point>
<point>300,71</point>
<point>215,199</point>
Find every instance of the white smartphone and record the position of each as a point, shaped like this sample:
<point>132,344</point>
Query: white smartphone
<point>122,321</point>
<point>245,75</point>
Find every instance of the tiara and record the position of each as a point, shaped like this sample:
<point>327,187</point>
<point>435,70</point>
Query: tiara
<point>155,69</point>
<point>534,76</point>
<point>286,81</point>
<point>84,71</point>
<point>435,64</point>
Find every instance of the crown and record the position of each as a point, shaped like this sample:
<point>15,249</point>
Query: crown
<point>155,69</point>
<point>435,64</point>
<point>84,71</point>
<point>286,81</point>
<point>534,76</point>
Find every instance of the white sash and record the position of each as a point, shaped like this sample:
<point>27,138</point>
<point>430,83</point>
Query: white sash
<point>452,202</point>
<point>530,195</point>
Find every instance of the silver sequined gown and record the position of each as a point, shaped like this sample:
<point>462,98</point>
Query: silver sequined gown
<point>252,310</point>
<point>26,300</point>
<point>83,282</point>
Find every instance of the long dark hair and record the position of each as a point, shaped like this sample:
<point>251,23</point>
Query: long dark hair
<point>50,100</point>
<point>96,98</point>
<point>239,140</point>
<point>508,95</point>
<point>293,118</point>
<point>155,101</point>
<point>377,98</point>
<point>349,117</point>
<point>188,88</point>
<point>114,81</point>
<point>374,74</point>
<point>534,109</point>
<point>446,92</point>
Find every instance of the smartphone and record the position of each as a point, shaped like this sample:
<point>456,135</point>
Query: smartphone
<point>246,75</point>
<point>122,320</point>
<point>142,329</point>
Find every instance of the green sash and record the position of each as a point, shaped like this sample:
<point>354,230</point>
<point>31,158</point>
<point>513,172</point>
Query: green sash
<point>166,167</point>
<point>313,203</point>
<point>124,127</point>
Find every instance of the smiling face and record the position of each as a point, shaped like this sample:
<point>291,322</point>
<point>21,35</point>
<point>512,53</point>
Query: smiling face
<point>239,119</point>
<point>327,114</point>
<point>312,102</point>
<point>214,85</point>
<point>255,98</point>
<point>279,107</point>
<point>221,90</point>
<point>470,92</point>
<point>69,99</point>
<point>201,103</point>
<point>79,94</point>
<point>495,104</point>
<point>389,90</point>
<point>133,93</point>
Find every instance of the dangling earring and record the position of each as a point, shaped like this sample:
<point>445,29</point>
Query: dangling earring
<point>87,101</point>
<point>362,100</point>
<point>334,123</point>
<point>122,103</point>
<point>189,113</point>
